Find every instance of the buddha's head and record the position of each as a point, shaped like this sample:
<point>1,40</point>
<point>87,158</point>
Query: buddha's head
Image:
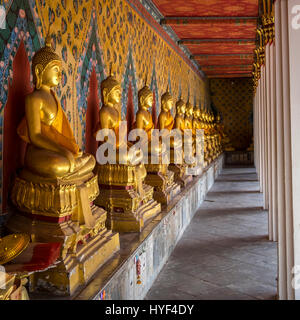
<point>166,102</point>
<point>180,107</point>
<point>46,66</point>
<point>189,109</point>
<point>110,91</point>
<point>145,96</point>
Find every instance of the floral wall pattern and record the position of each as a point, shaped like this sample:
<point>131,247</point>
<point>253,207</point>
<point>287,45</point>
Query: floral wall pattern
<point>97,34</point>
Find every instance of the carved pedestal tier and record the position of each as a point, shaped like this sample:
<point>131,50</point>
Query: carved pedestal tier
<point>162,179</point>
<point>60,211</point>
<point>180,170</point>
<point>128,207</point>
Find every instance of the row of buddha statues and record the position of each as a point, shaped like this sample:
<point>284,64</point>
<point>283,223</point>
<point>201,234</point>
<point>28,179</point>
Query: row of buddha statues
<point>62,195</point>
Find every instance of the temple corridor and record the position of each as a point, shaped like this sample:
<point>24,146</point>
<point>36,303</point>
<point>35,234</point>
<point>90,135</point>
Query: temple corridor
<point>225,252</point>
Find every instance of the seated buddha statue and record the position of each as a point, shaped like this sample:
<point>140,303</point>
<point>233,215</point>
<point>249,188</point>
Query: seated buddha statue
<point>180,169</point>
<point>52,151</point>
<point>188,123</point>
<point>196,119</point>
<point>143,116</point>
<point>207,141</point>
<point>158,175</point>
<point>225,140</point>
<point>123,193</point>
<point>180,113</point>
<point>53,194</point>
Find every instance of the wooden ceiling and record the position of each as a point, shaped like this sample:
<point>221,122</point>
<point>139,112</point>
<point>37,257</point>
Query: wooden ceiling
<point>220,34</point>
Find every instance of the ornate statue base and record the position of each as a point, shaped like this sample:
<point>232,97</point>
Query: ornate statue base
<point>128,210</point>
<point>180,174</point>
<point>53,210</point>
<point>159,177</point>
<point>194,170</point>
<point>180,171</point>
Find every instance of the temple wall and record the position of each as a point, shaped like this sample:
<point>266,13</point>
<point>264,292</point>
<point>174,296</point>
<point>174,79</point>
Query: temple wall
<point>92,35</point>
<point>234,99</point>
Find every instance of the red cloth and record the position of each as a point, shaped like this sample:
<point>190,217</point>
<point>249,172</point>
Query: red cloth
<point>36,257</point>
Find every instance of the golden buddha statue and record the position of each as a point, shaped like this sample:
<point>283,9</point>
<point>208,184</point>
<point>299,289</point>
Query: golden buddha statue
<point>225,140</point>
<point>207,139</point>
<point>123,193</point>
<point>143,116</point>
<point>158,175</point>
<point>251,147</point>
<point>197,168</point>
<point>188,122</point>
<point>180,169</point>
<point>189,113</point>
<point>54,192</point>
<point>196,119</point>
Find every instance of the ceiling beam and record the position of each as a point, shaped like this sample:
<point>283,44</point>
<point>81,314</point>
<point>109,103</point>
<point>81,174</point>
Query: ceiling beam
<point>242,55</point>
<point>193,20</point>
<point>234,75</point>
<point>229,66</point>
<point>204,64</point>
<point>195,41</point>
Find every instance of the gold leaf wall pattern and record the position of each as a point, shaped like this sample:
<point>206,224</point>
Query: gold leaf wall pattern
<point>120,24</point>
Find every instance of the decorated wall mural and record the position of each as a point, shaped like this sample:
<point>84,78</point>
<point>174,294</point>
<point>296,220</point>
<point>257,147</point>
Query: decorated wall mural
<point>233,98</point>
<point>94,35</point>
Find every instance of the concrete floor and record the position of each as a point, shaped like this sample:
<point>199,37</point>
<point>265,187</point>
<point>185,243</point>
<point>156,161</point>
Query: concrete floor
<point>224,254</point>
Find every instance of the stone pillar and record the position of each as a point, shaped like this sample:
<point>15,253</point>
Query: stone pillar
<point>268,195</point>
<point>291,11</point>
<point>273,135</point>
<point>282,271</point>
<point>261,124</point>
<point>265,141</point>
<point>286,77</point>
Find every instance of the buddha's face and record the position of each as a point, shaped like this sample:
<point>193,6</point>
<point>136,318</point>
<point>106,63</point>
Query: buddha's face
<point>167,105</point>
<point>190,111</point>
<point>52,74</point>
<point>148,102</point>
<point>114,96</point>
<point>195,113</point>
<point>181,109</point>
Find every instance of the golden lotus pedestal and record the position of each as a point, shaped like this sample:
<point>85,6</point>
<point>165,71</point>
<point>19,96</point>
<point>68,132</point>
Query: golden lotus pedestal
<point>127,208</point>
<point>180,170</point>
<point>59,211</point>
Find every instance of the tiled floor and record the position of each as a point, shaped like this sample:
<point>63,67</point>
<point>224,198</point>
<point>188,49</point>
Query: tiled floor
<point>225,252</point>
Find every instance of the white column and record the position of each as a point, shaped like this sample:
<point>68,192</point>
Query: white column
<point>282,273</point>
<point>292,10</point>
<point>255,131</point>
<point>287,144</point>
<point>268,142</point>
<point>265,140</point>
<point>273,135</point>
<point>262,145</point>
